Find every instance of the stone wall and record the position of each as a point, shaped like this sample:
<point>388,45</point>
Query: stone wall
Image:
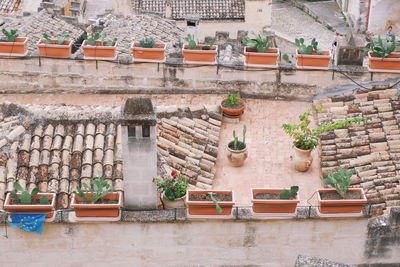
<point>213,242</point>
<point>68,76</point>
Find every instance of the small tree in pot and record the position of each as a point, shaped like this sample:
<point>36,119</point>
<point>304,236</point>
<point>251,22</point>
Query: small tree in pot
<point>237,150</point>
<point>306,138</point>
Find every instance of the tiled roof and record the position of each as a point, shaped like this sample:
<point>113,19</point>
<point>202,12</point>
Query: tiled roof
<point>206,9</point>
<point>372,149</point>
<point>35,25</point>
<point>188,142</point>
<point>9,6</point>
<point>57,156</point>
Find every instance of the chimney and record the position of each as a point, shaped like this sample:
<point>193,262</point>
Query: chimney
<point>139,153</point>
<point>192,25</point>
<point>168,9</point>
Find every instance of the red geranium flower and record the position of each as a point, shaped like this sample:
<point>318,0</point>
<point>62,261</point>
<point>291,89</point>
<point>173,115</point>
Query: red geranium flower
<point>173,188</point>
<point>173,174</point>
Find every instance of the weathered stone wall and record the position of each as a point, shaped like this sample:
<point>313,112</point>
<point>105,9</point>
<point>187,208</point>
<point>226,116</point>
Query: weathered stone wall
<point>264,243</point>
<point>68,76</point>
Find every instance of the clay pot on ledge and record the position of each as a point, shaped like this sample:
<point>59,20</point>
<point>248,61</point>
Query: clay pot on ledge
<point>173,204</point>
<point>236,157</point>
<point>302,159</point>
<point>200,204</point>
<point>268,59</point>
<point>265,205</point>
<point>389,64</point>
<point>99,52</point>
<point>98,210</point>
<point>155,54</point>
<point>332,202</point>
<point>233,112</point>
<point>313,61</point>
<point>34,208</point>
<point>200,56</point>
<point>18,48</point>
<point>54,49</point>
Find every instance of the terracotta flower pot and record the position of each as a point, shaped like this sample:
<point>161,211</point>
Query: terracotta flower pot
<point>173,204</point>
<point>199,56</point>
<point>236,157</point>
<point>268,59</point>
<point>388,64</point>
<point>302,159</point>
<point>233,112</point>
<point>208,207</point>
<point>48,209</point>
<point>99,52</point>
<point>97,210</point>
<point>19,48</point>
<point>55,50</point>
<point>316,62</point>
<point>273,205</point>
<point>155,54</point>
<point>342,205</point>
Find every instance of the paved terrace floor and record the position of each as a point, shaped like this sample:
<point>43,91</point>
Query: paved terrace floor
<point>268,164</point>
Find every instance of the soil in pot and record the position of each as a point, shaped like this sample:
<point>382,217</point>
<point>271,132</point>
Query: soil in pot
<point>270,196</point>
<point>217,196</point>
<point>336,196</point>
<point>34,202</point>
<point>100,201</point>
<point>238,105</point>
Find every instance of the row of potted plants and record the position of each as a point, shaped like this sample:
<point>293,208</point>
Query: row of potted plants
<point>258,51</point>
<point>338,199</point>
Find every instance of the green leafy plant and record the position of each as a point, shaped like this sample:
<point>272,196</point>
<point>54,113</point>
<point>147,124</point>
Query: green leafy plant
<point>60,39</point>
<point>173,186</point>
<point>307,49</point>
<point>25,198</point>
<point>340,180</point>
<point>92,193</point>
<point>214,200</point>
<point>307,138</point>
<point>380,48</point>
<point>91,40</point>
<point>259,43</point>
<point>236,144</point>
<point>10,35</point>
<point>286,58</point>
<point>232,99</point>
<point>147,43</point>
<point>289,193</point>
<point>209,44</point>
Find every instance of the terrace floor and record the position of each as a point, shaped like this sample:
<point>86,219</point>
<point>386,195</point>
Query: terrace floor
<point>269,162</point>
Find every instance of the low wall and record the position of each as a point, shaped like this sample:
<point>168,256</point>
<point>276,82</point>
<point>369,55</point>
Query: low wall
<point>79,76</point>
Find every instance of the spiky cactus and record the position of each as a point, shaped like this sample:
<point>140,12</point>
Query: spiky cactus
<point>239,145</point>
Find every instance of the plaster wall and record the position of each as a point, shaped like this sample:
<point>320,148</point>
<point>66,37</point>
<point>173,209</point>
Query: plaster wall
<point>122,7</point>
<point>265,243</point>
<point>383,14</point>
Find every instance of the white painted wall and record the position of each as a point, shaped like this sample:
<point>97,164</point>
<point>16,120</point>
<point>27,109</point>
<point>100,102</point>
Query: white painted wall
<point>382,14</point>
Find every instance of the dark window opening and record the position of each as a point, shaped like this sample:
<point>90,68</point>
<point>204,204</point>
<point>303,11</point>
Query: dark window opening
<point>146,131</point>
<point>131,131</point>
<point>191,24</point>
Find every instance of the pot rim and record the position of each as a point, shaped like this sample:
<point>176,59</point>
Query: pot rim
<point>85,45</point>
<point>235,151</point>
<point>51,205</point>
<point>239,99</point>
<point>315,56</point>
<point>361,200</point>
<point>133,46</point>
<point>115,205</point>
<point>18,43</point>
<point>41,44</point>
<point>211,51</point>
<point>262,53</point>
<point>180,198</point>
<point>302,150</point>
<point>232,202</point>
<point>277,201</point>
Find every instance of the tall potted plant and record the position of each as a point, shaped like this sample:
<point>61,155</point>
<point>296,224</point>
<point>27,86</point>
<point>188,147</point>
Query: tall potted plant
<point>275,200</point>
<point>34,202</point>
<point>58,48</point>
<point>96,200</point>
<point>381,55</point>
<point>310,57</point>
<point>232,106</point>
<point>173,190</point>
<point>340,199</point>
<point>237,150</point>
<point>96,49</point>
<point>12,45</point>
<point>306,138</point>
<point>210,202</point>
<point>194,53</point>
<point>147,50</point>
<point>258,52</point>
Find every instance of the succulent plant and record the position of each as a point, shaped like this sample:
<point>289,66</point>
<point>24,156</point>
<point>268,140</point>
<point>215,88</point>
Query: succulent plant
<point>25,197</point>
<point>147,43</point>
<point>10,35</point>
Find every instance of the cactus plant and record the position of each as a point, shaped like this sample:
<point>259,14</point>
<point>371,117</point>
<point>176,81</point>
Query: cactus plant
<point>307,49</point>
<point>92,193</point>
<point>25,197</point>
<point>259,43</point>
<point>289,193</point>
<point>380,48</point>
<point>147,43</point>
<point>10,35</point>
<point>60,39</point>
<point>214,200</point>
<point>340,180</point>
<point>239,145</point>
<point>91,40</point>
<point>191,42</point>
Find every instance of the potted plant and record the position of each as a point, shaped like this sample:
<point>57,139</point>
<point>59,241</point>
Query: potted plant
<point>381,55</point>
<point>310,57</point>
<point>173,190</point>
<point>96,49</point>
<point>306,138</point>
<point>275,200</point>
<point>147,50</point>
<point>24,202</point>
<point>199,54</point>
<point>258,52</point>
<point>210,202</point>
<point>58,48</point>
<point>96,200</point>
<point>232,106</point>
<point>341,199</point>
<point>237,150</point>
<point>12,45</point>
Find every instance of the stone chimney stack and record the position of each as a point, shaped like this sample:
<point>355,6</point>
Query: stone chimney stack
<point>139,154</point>
<point>168,9</point>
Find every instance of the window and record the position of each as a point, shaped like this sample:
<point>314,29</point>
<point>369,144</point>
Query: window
<point>131,131</point>
<point>146,131</point>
